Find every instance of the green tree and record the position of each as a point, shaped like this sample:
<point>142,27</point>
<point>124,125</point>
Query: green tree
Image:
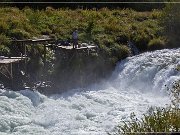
<point>170,19</point>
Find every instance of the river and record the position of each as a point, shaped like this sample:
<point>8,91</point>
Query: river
<point>138,83</point>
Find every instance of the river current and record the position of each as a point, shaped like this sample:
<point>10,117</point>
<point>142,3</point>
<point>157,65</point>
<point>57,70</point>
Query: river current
<point>138,83</point>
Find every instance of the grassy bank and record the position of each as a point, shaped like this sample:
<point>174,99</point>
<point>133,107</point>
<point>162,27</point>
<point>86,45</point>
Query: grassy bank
<point>109,29</point>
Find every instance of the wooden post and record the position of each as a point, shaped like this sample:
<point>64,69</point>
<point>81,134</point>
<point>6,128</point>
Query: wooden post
<point>11,72</point>
<point>11,76</point>
<point>25,54</point>
<point>45,56</point>
<point>25,51</point>
<point>44,61</point>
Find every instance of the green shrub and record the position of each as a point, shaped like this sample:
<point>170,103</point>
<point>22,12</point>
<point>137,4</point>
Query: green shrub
<point>122,38</point>
<point>90,27</point>
<point>119,51</point>
<point>14,24</point>
<point>4,50</point>
<point>4,42</point>
<point>155,14</point>
<point>141,17</point>
<point>46,31</point>
<point>141,40</point>
<point>19,34</point>
<point>170,20</point>
<point>156,44</point>
<point>3,27</point>
<point>157,120</point>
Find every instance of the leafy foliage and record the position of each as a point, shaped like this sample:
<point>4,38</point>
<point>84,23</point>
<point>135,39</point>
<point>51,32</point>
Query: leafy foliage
<point>157,120</point>
<point>4,41</point>
<point>102,26</point>
<point>170,19</point>
<point>156,43</point>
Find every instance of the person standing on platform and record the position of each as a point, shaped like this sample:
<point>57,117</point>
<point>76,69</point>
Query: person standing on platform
<point>75,38</point>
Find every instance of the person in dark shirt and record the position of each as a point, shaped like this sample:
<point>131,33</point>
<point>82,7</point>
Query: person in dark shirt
<point>75,38</point>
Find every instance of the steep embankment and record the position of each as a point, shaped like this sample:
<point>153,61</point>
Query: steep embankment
<point>137,83</point>
<point>109,29</point>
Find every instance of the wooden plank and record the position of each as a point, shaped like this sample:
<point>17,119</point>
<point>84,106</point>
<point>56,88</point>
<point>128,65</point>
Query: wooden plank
<point>3,57</point>
<point>87,47</point>
<point>6,60</point>
<point>42,40</point>
<point>23,40</point>
<point>34,40</point>
<point>66,47</point>
<point>80,48</point>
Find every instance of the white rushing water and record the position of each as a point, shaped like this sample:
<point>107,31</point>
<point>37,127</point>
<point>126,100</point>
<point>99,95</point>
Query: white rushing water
<point>137,84</point>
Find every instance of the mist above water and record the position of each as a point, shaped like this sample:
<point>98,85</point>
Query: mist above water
<point>138,83</point>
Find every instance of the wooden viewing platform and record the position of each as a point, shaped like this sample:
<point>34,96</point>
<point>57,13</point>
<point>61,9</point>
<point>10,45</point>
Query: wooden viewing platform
<point>47,42</point>
<point>36,42</point>
<point>87,49</point>
<point>6,67</point>
<point>13,67</point>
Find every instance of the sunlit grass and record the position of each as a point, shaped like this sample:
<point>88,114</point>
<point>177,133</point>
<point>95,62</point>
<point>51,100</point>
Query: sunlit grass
<point>101,26</point>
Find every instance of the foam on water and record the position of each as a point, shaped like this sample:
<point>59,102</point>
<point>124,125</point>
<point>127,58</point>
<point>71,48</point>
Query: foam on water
<point>95,110</point>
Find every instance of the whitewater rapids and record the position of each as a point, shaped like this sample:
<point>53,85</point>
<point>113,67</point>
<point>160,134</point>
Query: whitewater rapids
<point>138,83</point>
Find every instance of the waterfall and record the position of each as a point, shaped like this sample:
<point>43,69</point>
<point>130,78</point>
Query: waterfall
<point>137,83</point>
